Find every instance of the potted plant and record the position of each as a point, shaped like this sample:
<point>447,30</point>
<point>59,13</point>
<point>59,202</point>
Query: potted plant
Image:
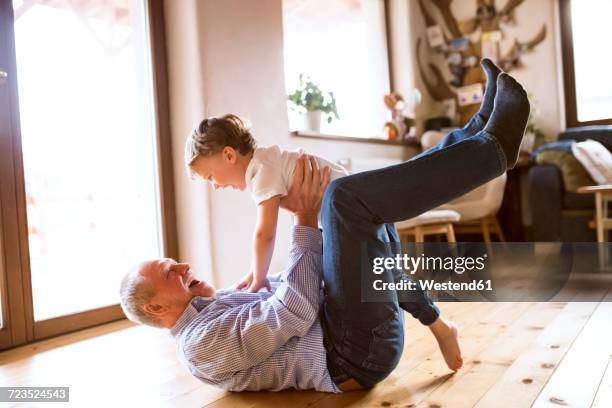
<point>311,102</point>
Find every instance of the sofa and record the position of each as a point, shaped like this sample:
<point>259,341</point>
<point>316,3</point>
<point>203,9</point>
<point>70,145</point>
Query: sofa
<point>559,215</point>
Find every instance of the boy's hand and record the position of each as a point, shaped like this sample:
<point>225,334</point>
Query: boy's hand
<point>256,285</point>
<point>253,285</point>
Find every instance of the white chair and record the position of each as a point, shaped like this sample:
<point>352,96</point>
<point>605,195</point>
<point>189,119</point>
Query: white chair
<point>479,207</point>
<point>432,222</point>
<point>359,164</point>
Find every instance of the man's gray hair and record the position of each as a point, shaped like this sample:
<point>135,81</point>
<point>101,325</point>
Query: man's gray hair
<point>135,293</point>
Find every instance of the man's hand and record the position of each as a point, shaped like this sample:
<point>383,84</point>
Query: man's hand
<point>307,188</point>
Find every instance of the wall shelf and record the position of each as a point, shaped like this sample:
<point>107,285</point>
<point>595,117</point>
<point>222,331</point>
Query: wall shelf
<point>374,140</point>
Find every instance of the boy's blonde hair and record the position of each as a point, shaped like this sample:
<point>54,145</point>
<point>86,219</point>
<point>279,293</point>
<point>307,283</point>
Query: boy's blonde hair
<point>213,134</point>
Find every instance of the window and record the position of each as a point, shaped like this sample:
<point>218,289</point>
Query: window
<point>84,158</point>
<point>340,45</point>
<point>88,149</point>
<point>587,63</point>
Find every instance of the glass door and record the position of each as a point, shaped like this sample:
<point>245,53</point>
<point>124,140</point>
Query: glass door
<point>89,143</point>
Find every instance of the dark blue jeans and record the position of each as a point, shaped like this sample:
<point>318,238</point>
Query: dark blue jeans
<point>364,341</point>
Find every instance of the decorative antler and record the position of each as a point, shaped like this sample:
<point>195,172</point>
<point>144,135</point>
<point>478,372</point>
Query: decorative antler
<point>439,90</point>
<point>510,6</point>
<point>512,58</point>
<point>486,19</point>
<point>429,20</point>
<point>539,37</point>
<point>469,26</point>
<point>447,15</point>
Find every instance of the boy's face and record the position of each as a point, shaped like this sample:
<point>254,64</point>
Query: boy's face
<point>221,169</point>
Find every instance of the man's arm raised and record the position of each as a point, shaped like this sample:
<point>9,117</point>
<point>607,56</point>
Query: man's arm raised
<point>306,192</point>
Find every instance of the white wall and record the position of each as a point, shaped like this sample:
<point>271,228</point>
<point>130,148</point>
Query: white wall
<point>187,99</point>
<point>406,25</point>
<point>227,56</point>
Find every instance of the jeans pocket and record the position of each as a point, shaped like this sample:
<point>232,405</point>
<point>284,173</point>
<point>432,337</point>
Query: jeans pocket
<point>356,343</point>
<point>386,345</point>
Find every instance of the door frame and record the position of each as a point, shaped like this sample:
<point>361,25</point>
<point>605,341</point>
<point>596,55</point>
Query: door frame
<point>16,287</point>
<point>15,275</point>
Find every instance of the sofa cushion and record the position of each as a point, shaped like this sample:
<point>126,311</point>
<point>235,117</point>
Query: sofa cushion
<point>573,173</point>
<point>560,145</point>
<point>596,159</point>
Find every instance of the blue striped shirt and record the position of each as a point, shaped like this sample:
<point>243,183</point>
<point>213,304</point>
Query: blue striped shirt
<point>262,341</point>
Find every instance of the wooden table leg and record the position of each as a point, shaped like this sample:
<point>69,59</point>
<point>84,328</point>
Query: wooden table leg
<point>599,216</point>
<point>450,233</point>
<point>419,236</point>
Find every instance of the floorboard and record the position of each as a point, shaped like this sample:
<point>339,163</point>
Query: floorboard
<point>578,377</point>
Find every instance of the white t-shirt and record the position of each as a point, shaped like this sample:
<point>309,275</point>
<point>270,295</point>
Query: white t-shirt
<point>270,172</point>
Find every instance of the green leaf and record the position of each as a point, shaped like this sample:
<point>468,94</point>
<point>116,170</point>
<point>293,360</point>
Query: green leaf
<point>309,96</point>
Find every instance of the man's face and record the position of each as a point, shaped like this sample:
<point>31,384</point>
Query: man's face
<point>175,286</point>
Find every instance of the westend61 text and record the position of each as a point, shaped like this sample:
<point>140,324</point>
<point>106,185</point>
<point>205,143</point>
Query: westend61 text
<point>474,285</point>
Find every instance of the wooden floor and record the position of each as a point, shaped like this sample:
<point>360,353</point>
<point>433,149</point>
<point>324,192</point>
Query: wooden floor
<point>516,355</point>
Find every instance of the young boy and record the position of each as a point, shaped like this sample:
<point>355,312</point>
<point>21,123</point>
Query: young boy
<point>223,152</point>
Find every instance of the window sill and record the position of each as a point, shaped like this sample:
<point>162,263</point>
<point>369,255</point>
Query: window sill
<point>374,140</point>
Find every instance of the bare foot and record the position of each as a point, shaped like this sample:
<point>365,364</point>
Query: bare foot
<point>446,334</point>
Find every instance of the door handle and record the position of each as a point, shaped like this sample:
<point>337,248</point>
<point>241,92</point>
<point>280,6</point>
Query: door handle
<point>3,77</point>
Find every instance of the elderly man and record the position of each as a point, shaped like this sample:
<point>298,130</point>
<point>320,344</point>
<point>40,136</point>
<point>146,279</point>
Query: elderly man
<point>290,337</point>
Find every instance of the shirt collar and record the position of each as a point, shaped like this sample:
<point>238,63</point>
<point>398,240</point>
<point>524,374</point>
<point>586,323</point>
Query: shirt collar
<point>191,311</point>
<point>252,169</point>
